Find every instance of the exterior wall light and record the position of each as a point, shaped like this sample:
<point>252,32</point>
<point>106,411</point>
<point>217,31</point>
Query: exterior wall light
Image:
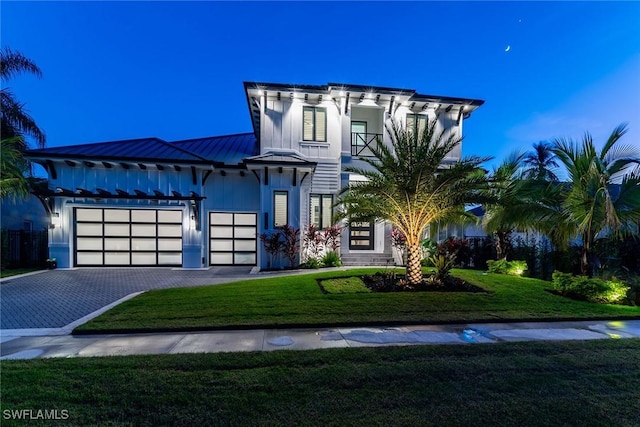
<point>55,220</point>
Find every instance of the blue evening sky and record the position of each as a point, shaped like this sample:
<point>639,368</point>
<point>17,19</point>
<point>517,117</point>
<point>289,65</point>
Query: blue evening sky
<point>120,70</point>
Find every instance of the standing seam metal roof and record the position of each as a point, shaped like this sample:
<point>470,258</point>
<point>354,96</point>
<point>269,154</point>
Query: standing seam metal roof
<point>227,149</point>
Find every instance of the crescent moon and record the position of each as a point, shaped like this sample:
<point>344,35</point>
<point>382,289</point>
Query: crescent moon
<point>508,48</point>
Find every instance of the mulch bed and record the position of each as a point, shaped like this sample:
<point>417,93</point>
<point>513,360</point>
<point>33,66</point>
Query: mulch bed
<point>381,282</point>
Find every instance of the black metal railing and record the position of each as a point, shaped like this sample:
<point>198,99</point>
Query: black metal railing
<point>362,143</point>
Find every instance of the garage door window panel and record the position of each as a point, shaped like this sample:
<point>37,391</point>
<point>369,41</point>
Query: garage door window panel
<point>121,237</point>
<point>233,241</point>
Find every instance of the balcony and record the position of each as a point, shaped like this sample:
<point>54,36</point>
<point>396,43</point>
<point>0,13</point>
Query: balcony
<point>362,143</point>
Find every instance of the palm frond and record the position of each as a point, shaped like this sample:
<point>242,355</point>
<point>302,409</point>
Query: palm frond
<point>13,63</point>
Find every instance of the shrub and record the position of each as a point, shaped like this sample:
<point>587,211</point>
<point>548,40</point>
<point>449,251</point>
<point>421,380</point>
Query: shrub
<point>272,244</point>
<point>512,268</point>
<point>562,281</point>
<point>633,294</point>
<point>611,291</point>
<point>313,241</point>
<point>311,263</point>
<point>398,241</point>
<point>290,246</point>
<point>331,237</point>
<point>331,259</point>
<point>459,248</point>
<point>428,248</point>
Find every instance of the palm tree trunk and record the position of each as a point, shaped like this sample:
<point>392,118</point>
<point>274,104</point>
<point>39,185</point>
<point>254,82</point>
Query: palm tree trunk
<point>503,244</point>
<point>414,265</point>
<point>585,264</point>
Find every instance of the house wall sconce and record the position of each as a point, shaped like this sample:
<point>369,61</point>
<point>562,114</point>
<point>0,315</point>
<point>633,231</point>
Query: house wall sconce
<point>55,220</point>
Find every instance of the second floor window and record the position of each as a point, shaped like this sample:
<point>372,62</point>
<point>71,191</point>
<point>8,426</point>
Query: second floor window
<point>314,124</point>
<point>416,123</point>
<point>321,210</point>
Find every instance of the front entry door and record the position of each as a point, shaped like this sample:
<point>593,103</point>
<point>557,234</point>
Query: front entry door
<point>361,235</point>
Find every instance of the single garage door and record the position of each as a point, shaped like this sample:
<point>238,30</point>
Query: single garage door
<point>233,238</point>
<point>128,237</point>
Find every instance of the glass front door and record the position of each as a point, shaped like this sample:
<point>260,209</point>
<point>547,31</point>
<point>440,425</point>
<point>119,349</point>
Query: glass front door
<point>361,235</point>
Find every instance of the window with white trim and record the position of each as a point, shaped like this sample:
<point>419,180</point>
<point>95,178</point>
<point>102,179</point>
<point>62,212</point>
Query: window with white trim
<point>314,124</point>
<point>280,208</point>
<point>321,210</point>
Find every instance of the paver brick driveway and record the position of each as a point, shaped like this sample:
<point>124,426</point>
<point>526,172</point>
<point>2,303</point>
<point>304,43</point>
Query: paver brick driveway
<point>56,298</point>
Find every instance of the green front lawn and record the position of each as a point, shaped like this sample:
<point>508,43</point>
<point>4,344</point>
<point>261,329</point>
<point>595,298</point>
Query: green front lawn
<point>15,271</point>
<point>510,384</point>
<point>298,301</point>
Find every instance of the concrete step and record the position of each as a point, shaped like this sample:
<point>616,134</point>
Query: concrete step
<point>367,259</point>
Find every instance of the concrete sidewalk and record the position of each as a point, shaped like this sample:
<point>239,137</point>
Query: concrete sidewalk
<point>28,347</point>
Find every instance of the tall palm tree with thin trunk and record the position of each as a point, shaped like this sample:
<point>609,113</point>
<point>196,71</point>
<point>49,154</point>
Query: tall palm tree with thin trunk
<point>511,206</point>
<point>540,163</point>
<point>409,185</point>
<point>590,205</point>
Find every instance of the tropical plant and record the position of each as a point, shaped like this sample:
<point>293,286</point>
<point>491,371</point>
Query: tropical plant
<point>409,185</point>
<point>313,241</point>
<point>509,209</point>
<point>15,124</point>
<point>290,244</point>
<point>331,237</point>
<point>272,244</point>
<point>331,259</point>
<point>540,163</point>
<point>442,263</point>
<point>12,167</point>
<point>398,241</point>
<point>591,203</point>
<point>14,119</point>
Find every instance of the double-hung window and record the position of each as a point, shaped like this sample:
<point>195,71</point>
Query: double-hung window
<point>280,208</point>
<point>314,124</point>
<point>416,123</point>
<point>321,210</point>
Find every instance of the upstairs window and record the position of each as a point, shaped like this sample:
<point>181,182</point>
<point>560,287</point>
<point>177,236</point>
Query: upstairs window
<point>416,123</point>
<point>314,124</point>
<point>280,208</point>
<point>321,210</point>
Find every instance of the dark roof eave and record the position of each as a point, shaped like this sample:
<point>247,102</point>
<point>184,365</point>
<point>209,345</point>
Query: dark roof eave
<point>78,157</point>
<point>281,163</point>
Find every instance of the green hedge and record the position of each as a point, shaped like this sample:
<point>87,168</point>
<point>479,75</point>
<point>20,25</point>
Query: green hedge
<point>611,291</point>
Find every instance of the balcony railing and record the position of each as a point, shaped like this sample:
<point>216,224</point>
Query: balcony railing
<point>362,143</point>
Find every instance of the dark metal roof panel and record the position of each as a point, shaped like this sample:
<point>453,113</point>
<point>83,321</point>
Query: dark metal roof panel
<point>226,149</point>
<point>133,149</point>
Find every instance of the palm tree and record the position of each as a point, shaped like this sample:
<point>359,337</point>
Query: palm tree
<point>510,209</point>
<point>12,167</point>
<point>540,162</point>
<point>589,204</point>
<point>14,120</point>
<point>409,186</point>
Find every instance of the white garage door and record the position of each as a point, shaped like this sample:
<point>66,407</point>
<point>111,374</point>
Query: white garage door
<point>128,237</point>
<point>233,238</point>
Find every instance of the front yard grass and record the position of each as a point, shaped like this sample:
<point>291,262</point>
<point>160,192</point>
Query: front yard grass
<point>8,272</point>
<point>509,384</point>
<point>297,301</point>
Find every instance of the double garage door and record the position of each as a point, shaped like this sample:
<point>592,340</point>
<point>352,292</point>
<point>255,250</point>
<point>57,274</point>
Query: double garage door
<point>128,237</point>
<point>153,237</point>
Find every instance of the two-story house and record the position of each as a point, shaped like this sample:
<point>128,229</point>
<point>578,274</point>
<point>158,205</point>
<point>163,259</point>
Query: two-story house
<point>204,202</point>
